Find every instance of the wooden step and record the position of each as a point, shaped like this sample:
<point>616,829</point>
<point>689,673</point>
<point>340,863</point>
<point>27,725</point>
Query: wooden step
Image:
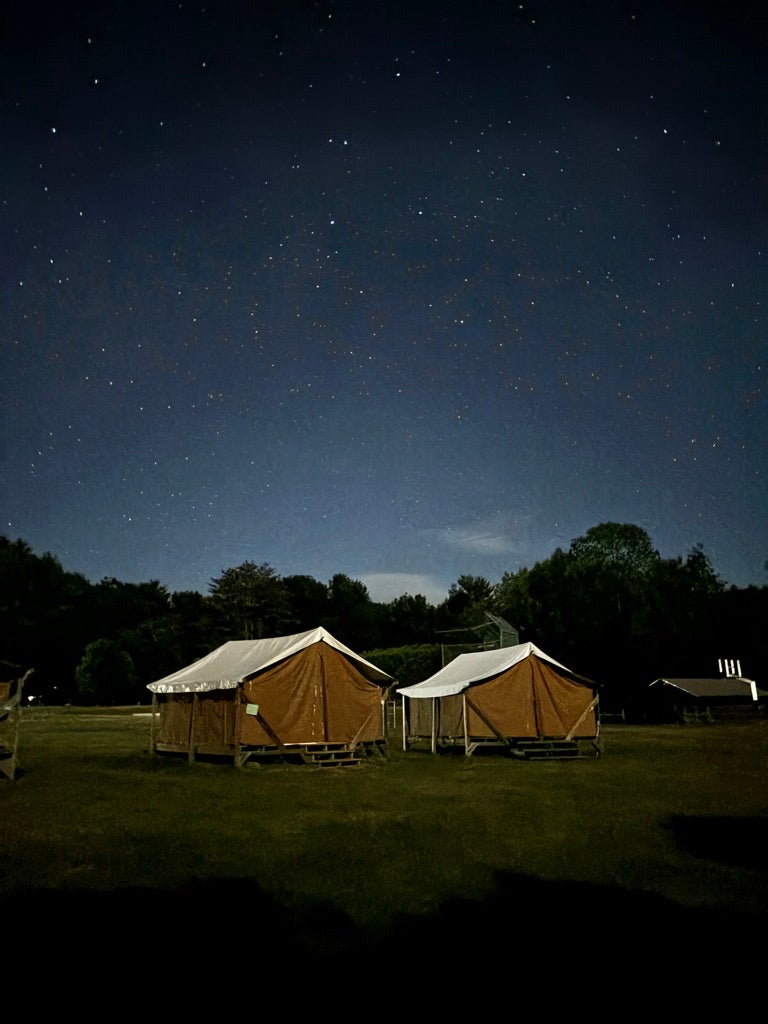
<point>547,750</point>
<point>326,755</point>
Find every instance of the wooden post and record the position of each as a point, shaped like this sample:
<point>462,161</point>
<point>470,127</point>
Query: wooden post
<point>17,723</point>
<point>466,724</point>
<point>581,718</point>
<point>483,717</point>
<point>238,730</point>
<point>12,712</point>
<point>356,738</point>
<point>272,734</point>
<point>191,749</point>
<point>153,728</point>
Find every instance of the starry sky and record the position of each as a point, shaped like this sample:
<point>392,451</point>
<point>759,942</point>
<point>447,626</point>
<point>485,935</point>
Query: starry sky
<point>400,290</point>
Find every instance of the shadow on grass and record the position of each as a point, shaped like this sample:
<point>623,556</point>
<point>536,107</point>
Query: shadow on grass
<point>737,842</point>
<point>552,939</point>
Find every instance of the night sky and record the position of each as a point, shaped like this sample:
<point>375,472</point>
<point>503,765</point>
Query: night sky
<point>402,290</point>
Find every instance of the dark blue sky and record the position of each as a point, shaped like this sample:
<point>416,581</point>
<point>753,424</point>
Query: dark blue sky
<point>401,290</point>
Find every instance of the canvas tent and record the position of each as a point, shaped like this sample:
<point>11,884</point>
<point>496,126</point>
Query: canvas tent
<point>305,694</point>
<point>516,696</point>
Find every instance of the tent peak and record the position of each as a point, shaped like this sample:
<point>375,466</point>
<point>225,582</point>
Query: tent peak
<point>227,666</point>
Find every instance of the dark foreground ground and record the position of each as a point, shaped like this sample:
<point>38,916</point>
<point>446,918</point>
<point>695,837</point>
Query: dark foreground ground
<point>543,937</point>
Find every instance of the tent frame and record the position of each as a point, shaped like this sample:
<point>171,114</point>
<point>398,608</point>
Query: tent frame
<point>541,742</point>
<point>210,708</point>
<point>10,725</point>
<point>310,753</point>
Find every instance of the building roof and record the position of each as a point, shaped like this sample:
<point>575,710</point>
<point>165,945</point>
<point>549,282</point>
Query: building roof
<point>723,688</point>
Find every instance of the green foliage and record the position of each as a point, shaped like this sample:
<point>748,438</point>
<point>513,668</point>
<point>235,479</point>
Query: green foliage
<point>742,615</point>
<point>252,599</point>
<point>45,617</point>
<point>467,600</point>
<point>608,607</point>
<point>617,547</point>
<point>552,600</point>
<point>611,564</point>
<point>408,619</point>
<point>347,594</point>
<point>308,600</point>
<point>612,609</point>
<point>512,600</point>
<point>352,616</point>
<point>116,605</point>
<point>106,674</point>
<point>195,628</point>
<point>407,665</point>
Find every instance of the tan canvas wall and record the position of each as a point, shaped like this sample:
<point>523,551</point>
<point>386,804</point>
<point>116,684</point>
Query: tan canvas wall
<point>532,700</point>
<point>561,702</point>
<point>214,721</point>
<point>174,720</point>
<point>208,717</point>
<point>449,713</point>
<point>317,696</point>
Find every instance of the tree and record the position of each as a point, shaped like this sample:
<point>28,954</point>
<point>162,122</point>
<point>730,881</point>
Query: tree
<point>611,572</point>
<point>106,674</point>
<point>408,619</point>
<point>682,616</point>
<point>466,603</point>
<point>308,601</point>
<point>195,632</point>
<point>513,601</point>
<point>702,578</point>
<point>45,617</point>
<point>117,605</point>
<point>407,664</point>
<point>552,606</point>
<point>618,547</point>
<point>741,633</point>
<point>352,615</point>
<point>252,599</point>
<point>612,565</point>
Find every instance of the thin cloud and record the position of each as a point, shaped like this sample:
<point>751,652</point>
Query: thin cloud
<point>485,538</point>
<point>384,587</point>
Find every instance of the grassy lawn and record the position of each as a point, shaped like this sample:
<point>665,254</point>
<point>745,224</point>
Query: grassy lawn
<point>667,831</point>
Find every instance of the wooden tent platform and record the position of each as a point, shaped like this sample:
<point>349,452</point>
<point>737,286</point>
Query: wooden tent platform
<point>322,755</point>
<point>532,750</point>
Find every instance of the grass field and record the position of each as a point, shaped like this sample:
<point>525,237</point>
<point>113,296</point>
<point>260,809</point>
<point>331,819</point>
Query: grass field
<point>658,846</point>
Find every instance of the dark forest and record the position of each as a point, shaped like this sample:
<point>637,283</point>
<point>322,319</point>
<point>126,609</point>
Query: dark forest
<point>609,607</point>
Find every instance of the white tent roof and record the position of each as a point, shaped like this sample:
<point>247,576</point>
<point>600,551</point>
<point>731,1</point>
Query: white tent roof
<point>227,666</point>
<point>475,667</point>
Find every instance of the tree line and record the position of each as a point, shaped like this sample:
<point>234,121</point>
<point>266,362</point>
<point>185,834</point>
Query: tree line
<point>608,607</point>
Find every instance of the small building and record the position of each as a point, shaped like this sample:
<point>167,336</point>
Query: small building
<point>728,698</point>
